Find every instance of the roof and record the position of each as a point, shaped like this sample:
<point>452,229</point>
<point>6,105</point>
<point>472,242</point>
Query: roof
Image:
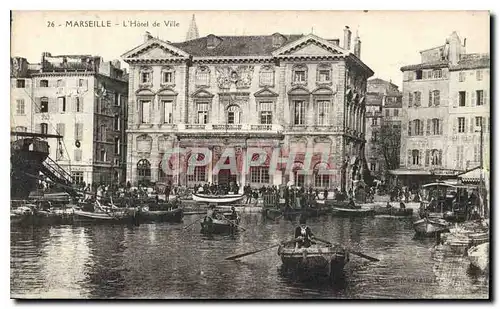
<point>472,63</point>
<point>258,45</point>
<point>374,98</point>
<point>426,65</point>
<point>381,81</point>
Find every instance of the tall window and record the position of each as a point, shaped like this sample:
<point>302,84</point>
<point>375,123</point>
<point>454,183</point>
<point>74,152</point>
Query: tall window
<point>145,77</point>
<point>479,97</point>
<point>202,113</point>
<point>461,77</point>
<point>374,121</point>
<point>374,136</point>
<point>461,98</point>
<point>103,133</point>
<point>116,123</point>
<point>299,76</point>
<point>77,177</point>
<point>415,155</point>
<point>418,127</point>
<point>20,107</point>
<point>321,180</point>
<point>44,105</point>
<point>436,128</point>
<point>387,113</point>
<point>417,98</point>
<point>168,111</point>
<point>199,174</point>
<point>44,83</point>
<point>143,170</point>
<point>266,112</point>
<point>233,114</point>
<point>202,76</point>
<point>435,157</point>
<point>266,76</point>
<point>167,77</point>
<point>259,174</point>
<point>434,98</point>
<point>145,106</point>
<point>78,131</point>
<point>479,75</point>
<point>437,73</point>
<point>20,83</point>
<point>117,145</point>
<point>61,102</point>
<point>78,105</point>
<point>479,122</point>
<point>44,128</point>
<point>103,155</point>
<point>461,124</point>
<point>299,112</point>
<point>323,112</point>
<point>324,75</point>
<point>396,112</point>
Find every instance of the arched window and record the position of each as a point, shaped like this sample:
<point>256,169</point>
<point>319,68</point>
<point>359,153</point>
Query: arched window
<point>435,157</point>
<point>298,178</point>
<point>321,178</point>
<point>415,154</point>
<point>143,170</point>
<point>233,114</point>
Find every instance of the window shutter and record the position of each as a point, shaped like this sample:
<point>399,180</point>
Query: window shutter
<point>458,157</point>
<point>38,128</point>
<point>467,98</point>
<point>81,104</point>
<point>472,124</point>
<point>455,99</point>
<point>409,128</point>
<point>444,73</point>
<point>473,98</point>
<point>76,131</point>
<point>74,104</point>
<point>430,98</point>
<point>427,152</point>
<point>455,125</point>
<point>421,127</point>
<point>486,96</point>
<point>38,104</point>
<point>410,99</point>
<point>429,126</point>
<point>53,105</point>
<point>421,154</point>
<point>60,129</point>
<point>410,162</point>
<point>440,126</point>
<point>437,98</point>
<point>440,158</point>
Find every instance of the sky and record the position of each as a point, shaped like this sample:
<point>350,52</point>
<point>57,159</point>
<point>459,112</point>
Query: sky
<point>390,39</point>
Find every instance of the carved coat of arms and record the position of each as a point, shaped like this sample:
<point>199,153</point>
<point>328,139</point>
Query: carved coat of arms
<point>240,76</point>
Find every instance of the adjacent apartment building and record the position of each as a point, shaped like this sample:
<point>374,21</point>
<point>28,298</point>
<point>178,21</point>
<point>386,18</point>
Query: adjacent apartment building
<point>445,104</point>
<point>82,98</point>
<point>293,93</point>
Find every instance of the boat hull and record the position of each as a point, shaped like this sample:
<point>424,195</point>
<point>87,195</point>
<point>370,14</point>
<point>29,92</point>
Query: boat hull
<point>315,260</point>
<point>217,199</point>
<point>393,212</point>
<point>352,212</point>
<point>272,213</point>
<point>117,217</point>
<point>427,227</point>
<point>39,217</point>
<point>216,226</point>
<point>175,215</point>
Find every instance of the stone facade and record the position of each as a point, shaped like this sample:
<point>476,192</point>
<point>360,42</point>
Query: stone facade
<point>431,144</point>
<point>83,99</point>
<point>285,93</point>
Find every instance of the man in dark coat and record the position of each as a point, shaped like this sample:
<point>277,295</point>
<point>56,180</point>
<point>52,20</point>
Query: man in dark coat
<point>303,234</point>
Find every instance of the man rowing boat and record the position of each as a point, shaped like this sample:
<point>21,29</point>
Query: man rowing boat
<point>303,234</point>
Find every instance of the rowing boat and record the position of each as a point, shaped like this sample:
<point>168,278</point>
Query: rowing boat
<point>352,212</point>
<point>219,225</point>
<point>393,212</point>
<point>315,260</point>
<point>429,227</point>
<point>218,199</point>
<point>174,215</point>
<point>104,217</point>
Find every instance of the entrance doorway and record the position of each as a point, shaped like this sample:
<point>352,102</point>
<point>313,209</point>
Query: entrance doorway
<point>225,178</point>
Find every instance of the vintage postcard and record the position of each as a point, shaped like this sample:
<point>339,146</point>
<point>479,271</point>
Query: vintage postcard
<point>250,154</point>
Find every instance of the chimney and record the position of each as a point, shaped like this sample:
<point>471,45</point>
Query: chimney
<point>213,41</point>
<point>347,38</point>
<point>147,36</point>
<point>357,48</point>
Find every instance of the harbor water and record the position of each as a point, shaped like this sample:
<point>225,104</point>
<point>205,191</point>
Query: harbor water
<point>164,260</point>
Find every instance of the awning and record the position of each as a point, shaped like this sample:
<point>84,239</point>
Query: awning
<point>402,172</point>
<point>472,176</point>
<point>437,184</point>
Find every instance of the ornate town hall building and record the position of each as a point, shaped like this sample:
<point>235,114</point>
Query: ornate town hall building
<point>295,93</point>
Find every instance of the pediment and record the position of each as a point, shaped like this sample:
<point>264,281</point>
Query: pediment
<point>322,91</point>
<point>311,45</point>
<point>266,92</point>
<point>144,92</point>
<point>167,92</point>
<point>299,91</point>
<point>155,49</point>
<point>201,93</point>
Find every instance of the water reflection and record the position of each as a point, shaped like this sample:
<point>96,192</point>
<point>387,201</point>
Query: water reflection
<point>167,261</point>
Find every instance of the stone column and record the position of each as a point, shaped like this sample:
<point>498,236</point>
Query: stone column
<point>210,166</point>
<point>243,169</point>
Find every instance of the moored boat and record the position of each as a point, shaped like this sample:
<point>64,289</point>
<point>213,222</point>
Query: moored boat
<point>272,213</point>
<point>429,227</point>
<point>393,211</point>
<point>315,260</point>
<point>122,216</point>
<point>174,215</point>
<point>352,212</point>
<point>479,256</point>
<point>218,199</point>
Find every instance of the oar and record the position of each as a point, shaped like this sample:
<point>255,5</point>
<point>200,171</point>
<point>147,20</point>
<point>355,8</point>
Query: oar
<point>360,254</point>
<point>234,257</point>
<point>195,221</point>
<point>230,221</point>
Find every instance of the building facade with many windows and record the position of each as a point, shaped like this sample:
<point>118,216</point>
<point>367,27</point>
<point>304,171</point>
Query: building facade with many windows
<point>232,94</point>
<point>440,108</point>
<point>81,98</point>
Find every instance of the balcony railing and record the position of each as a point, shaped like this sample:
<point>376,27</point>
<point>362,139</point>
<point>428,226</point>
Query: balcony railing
<point>231,127</point>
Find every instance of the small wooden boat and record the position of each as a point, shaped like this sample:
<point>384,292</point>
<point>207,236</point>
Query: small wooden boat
<point>218,199</point>
<point>315,260</point>
<point>174,215</point>
<point>219,225</point>
<point>122,216</point>
<point>429,227</point>
<point>393,211</point>
<point>272,213</point>
<point>479,238</point>
<point>352,212</point>
<point>479,256</point>
<point>30,215</point>
<point>455,216</point>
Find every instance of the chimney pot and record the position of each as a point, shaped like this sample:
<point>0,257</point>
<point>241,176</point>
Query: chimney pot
<point>347,38</point>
